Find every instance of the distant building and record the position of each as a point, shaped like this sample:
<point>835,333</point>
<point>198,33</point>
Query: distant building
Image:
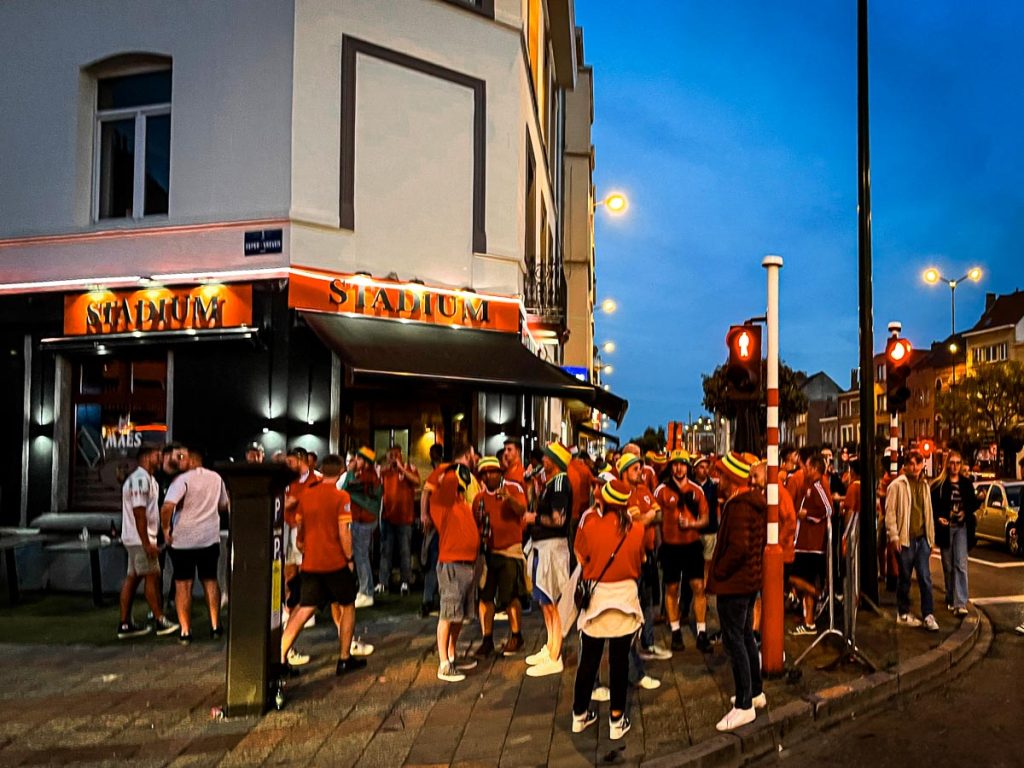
<point>999,333</point>
<point>933,372</point>
<point>806,428</point>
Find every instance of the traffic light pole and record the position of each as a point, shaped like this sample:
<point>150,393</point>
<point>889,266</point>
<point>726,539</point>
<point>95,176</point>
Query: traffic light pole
<point>894,442</point>
<point>772,588</point>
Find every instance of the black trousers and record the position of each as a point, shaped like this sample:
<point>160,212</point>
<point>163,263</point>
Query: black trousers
<point>736,615</point>
<point>591,651</point>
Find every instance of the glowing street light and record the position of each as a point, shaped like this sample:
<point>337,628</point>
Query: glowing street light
<point>615,203</point>
<point>608,306</point>
<point>932,276</point>
<point>608,347</point>
<point>608,369</point>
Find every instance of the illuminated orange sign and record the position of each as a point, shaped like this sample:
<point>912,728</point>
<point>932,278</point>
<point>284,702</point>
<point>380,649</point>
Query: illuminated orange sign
<point>363,295</point>
<point>199,308</point>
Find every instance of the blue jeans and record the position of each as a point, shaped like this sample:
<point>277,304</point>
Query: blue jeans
<point>914,558</point>
<point>954,567</point>
<point>430,591</point>
<point>390,534</point>
<point>362,541</point>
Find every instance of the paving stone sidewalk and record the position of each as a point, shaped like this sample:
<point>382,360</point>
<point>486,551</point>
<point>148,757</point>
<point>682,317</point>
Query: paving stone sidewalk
<point>149,702</point>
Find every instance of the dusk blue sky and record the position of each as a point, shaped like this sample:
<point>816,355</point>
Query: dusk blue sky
<point>732,128</point>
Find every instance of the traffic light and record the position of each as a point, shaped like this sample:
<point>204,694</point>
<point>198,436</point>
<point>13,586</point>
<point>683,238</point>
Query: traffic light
<point>743,371</point>
<point>927,447</point>
<point>897,369</point>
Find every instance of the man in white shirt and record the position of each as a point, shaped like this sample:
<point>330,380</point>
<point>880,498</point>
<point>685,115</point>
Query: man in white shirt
<point>140,521</point>
<point>190,518</point>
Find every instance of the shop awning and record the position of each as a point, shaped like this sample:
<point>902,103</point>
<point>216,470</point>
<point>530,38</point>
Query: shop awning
<point>374,350</point>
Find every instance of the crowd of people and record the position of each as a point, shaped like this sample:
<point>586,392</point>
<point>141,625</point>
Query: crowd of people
<point>609,546</point>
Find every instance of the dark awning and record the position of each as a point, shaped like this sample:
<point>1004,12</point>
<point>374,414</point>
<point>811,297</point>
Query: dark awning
<point>583,429</point>
<point>372,350</point>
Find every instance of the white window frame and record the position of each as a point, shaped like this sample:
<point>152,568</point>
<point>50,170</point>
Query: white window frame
<point>140,115</point>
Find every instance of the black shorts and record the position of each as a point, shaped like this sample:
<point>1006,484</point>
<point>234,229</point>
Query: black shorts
<point>321,589</point>
<point>682,561</point>
<point>505,582</point>
<point>188,562</point>
<point>809,567</point>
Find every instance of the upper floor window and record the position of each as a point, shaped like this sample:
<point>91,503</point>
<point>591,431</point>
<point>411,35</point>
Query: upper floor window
<point>133,145</point>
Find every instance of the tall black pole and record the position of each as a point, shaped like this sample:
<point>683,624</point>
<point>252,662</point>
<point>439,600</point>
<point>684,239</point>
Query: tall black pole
<point>868,529</point>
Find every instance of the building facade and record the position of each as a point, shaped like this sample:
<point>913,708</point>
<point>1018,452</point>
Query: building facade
<point>315,223</point>
<point>999,333</point>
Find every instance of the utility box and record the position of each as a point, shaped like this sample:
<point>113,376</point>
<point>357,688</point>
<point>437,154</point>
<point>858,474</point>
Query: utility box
<point>255,583</point>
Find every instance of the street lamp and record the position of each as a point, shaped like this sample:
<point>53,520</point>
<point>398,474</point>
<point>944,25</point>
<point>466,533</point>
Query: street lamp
<point>608,306</point>
<point>608,347</point>
<point>608,369</point>
<point>932,276</point>
<point>615,203</point>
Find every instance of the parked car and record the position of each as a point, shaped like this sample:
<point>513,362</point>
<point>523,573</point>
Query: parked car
<point>999,506</point>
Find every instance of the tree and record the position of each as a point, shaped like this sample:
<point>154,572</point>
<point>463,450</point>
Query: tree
<point>791,399</point>
<point>653,439</point>
<point>988,405</point>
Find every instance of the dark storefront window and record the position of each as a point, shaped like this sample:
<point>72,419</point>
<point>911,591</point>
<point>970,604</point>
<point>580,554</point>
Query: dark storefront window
<point>118,404</point>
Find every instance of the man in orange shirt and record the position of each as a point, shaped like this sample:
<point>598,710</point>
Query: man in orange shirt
<point>512,461</point>
<point>499,508</point>
<point>458,548</point>
<point>646,512</point>
<point>581,481</point>
<point>323,516</point>
<point>684,513</point>
<point>400,481</point>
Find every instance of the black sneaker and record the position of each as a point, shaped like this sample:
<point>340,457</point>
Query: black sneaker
<point>130,629</point>
<point>351,664</point>
<point>703,643</point>
<point>165,626</point>
<point>677,640</point>
<point>486,648</point>
<point>216,633</point>
<point>185,638</point>
<point>424,610</point>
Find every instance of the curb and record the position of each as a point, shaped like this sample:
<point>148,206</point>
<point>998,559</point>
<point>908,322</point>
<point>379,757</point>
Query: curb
<point>815,711</point>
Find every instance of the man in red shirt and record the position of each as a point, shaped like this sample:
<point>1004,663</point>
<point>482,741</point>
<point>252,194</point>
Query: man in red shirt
<point>499,508</point>
<point>684,513</point>
<point>809,566</point>
<point>581,483</point>
<point>323,516</point>
<point>645,511</point>
<point>458,547</point>
<point>400,481</point>
<point>512,461</point>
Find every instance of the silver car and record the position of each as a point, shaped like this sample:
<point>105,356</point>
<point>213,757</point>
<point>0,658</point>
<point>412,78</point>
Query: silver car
<point>999,505</point>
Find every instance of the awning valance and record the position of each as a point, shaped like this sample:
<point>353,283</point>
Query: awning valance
<point>373,350</point>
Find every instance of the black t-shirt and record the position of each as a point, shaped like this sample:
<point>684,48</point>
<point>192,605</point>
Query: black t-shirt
<point>557,495</point>
<point>711,495</point>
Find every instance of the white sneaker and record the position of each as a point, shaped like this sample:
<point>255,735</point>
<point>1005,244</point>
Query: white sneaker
<point>760,701</point>
<point>618,728</point>
<point>538,657</point>
<point>297,659</point>
<point>501,616</point>
<point>930,623</point>
<point>379,589</point>
<point>735,718</point>
<point>364,601</point>
<point>404,590</point>
<point>655,653</point>
<point>649,683</point>
<point>548,667</point>
<point>909,620</point>
<point>1019,629</point>
<point>449,673</point>
<point>601,693</point>
<point>580,723</point>
<point>359,648</point>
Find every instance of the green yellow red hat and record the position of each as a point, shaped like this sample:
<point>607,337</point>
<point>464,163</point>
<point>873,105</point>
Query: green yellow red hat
<point>616,493</point>
<point>737,465</point>
<point>367,453</point>
<point>488,464</point>
<point>626,461</point>
<point>679,454</point>
<point>558,454</point>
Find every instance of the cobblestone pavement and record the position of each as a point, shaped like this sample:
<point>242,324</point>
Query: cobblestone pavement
<point>149,701</point>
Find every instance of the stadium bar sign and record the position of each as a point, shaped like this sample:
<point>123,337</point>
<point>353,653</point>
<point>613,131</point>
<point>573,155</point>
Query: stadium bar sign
<point>205,307</point>
<point>370,297</point>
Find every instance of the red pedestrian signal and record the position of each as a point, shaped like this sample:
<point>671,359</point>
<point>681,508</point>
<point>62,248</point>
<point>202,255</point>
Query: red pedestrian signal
<point>926,447</point>
<point>897,370</point>
<point>743,371</point>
